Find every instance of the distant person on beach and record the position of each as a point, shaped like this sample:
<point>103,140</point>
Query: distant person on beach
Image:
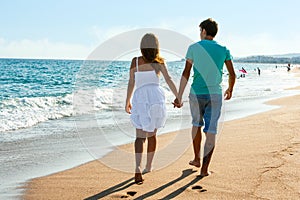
<point>206,58</point>
<point>258,71</point>
<point>243,70</point>
<point>148,110</point>
<point>289,67</point>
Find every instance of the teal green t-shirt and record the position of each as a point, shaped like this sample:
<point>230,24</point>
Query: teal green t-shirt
<point>208,60</point>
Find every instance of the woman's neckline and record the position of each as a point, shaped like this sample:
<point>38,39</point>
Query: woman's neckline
<point>146,71</point>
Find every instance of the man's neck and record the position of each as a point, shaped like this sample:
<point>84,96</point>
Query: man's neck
<point>208,37</point>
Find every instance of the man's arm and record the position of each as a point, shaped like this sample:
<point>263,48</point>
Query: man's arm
<point>184,79</point>
<point>231,80</point>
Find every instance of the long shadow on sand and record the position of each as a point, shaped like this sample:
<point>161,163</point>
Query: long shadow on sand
<point>180,190</point>
<point>129,182</point>
<point>116,188</point>
<point>184,174</point>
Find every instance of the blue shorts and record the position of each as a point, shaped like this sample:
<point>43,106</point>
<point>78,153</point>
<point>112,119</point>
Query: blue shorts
<point>206,111</point>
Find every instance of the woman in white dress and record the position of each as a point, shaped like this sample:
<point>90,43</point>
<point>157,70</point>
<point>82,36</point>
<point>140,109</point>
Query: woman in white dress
<point>147,107</point>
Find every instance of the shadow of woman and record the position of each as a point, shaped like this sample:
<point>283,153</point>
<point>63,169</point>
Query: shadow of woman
<point>130,182</point>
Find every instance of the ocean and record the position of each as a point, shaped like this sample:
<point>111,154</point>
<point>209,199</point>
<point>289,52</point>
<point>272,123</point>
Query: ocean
<point>57,114</point>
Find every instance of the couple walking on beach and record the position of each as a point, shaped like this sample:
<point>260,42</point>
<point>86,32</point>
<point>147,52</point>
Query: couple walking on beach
<point>147,106</point>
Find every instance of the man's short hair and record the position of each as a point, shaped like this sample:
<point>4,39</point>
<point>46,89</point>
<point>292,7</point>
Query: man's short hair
<point>210,26</point>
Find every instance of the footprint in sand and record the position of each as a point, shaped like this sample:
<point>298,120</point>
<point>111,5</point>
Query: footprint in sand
<point>198,187</point>
<point>130,193</point>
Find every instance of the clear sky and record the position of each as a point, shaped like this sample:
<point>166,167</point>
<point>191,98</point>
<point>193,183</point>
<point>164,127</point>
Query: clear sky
<point>73,29</point>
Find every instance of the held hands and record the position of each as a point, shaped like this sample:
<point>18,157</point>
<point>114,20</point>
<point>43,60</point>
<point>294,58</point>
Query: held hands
<point>177,103</point>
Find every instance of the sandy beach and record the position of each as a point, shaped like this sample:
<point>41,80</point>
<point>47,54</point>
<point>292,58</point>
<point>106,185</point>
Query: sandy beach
<point>257,157</point>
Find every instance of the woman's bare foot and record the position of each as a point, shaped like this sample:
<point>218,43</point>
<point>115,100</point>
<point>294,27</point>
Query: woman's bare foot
<point>138,179</point>
<point>195,163</point>
<point>147,170</point>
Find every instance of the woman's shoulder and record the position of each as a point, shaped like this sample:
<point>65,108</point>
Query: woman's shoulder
<point>162,66</point>
<point>133,61</point>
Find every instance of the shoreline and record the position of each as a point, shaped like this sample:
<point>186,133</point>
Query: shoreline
<point>258,165</point>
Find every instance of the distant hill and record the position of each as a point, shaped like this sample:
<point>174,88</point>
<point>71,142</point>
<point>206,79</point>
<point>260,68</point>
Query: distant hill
<point>289,55</point>
<point>293,58</point>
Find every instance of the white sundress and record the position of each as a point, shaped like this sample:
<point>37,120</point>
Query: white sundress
<point>148,103</point>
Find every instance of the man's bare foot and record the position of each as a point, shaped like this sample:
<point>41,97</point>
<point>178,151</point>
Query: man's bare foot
<point>138,179</point>
<point>195,163</point>
<point>203,174</point>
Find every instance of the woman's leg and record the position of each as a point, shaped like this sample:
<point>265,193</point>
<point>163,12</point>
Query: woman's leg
<point>151,150</point>
<point>138,148</point>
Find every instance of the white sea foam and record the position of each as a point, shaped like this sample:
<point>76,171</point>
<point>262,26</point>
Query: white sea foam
<point>28,111</point>
<point>25,112</point>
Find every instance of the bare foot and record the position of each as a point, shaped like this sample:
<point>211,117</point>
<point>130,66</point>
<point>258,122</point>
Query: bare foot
<point>195,163</point>
<point>203,174</point>
<point>147,170</point>
<point>138,179</point>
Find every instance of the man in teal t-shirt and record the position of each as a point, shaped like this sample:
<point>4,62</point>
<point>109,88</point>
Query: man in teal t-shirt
<point>207,58</point>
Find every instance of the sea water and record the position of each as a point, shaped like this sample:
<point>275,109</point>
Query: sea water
<point>57,114</point>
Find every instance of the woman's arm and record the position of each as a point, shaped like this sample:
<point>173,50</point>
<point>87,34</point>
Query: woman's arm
<point>130,86</point>
<point>168,79</point>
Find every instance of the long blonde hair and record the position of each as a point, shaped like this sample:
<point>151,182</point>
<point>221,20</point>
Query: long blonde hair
<point>150,51</point>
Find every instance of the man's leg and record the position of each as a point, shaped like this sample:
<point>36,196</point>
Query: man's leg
<point>197,136</point>
<point>211,117</point>
<point>208,151</point>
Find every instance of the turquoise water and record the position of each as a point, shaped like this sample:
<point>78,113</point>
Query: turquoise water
<point>34,91</point>
<point>37,78</point>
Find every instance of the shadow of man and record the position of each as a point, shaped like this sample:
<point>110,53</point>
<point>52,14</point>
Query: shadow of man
<point>180,190</point>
